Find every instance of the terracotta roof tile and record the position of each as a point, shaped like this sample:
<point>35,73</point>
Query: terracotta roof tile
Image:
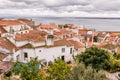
<point>9,22</point>
<point>2,56</point>
<point>5,66</point>
<point>46,26</point>
<point>83,31</point>
<point>62,31</point>
<point>33,35</point>
<point>5,43</point>
<point>24,19</point>
<point>2,30</point>
<point>63,42</point>
<point>27,21</point>
<point>109,46</point>
<point>77,44</point>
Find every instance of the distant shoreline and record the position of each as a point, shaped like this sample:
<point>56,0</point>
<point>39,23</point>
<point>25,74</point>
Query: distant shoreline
<point>106,24</point>
<point>62,17</point>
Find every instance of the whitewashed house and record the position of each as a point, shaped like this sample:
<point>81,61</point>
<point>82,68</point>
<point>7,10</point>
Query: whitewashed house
<point>21,44</point>
<point>50,51</point>
<point>12,27</point>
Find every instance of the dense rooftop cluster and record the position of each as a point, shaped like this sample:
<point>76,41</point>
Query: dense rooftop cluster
<point>23,39</point>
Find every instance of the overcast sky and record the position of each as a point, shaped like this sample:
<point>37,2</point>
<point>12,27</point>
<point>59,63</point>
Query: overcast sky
<point>60,8</point>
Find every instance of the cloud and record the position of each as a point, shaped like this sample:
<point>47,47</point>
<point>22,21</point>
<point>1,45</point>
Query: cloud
<point>107,5</point>
<point>60,7</point>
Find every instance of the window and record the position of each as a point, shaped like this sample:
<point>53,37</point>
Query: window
<point>71,51</point>
<point>25,56</point>
<point>63,50</point>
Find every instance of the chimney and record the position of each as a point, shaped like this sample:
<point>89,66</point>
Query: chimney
<point>49,40</point>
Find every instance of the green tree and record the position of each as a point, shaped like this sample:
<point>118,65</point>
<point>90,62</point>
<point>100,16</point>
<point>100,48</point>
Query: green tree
<point>79,72</point>
<point>117,56</point>
<point>29,70</point>
<point>97,58</point>
<point>58,70</point>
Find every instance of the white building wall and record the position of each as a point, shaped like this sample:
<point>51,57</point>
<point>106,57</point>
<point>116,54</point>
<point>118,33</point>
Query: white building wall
<point>21,43</point>
<point>21,32</point>
<point>15,27</point>
<point>49,54</point>
<point>15,54</point>
<point>38,43</point>
<point>52,53</point>
<point>31,54</point>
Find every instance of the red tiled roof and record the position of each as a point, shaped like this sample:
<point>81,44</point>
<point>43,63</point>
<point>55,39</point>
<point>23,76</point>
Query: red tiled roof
<point>2,30</point>
<point>77,44</point>
<point>56,37</point>
<point>33,35</point>
<point>46,26</point>
<point>62,31</point>
<point>9,22</point>
<point>27,21</point>
<point>102,43</point>
<point>5,43</point>
<point>63,42</point>
<point>83,31</point>
<point>5,66</point>
<point>24,19</point>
